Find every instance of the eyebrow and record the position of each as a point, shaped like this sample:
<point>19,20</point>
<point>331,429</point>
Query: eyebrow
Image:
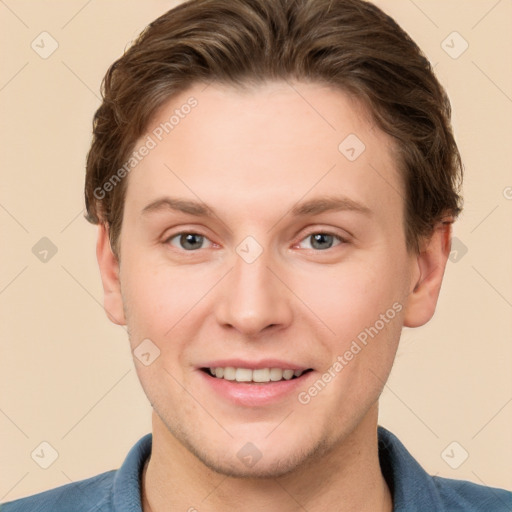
<point>329,203</point>
<point>195,208</point>
<point>312,207</point>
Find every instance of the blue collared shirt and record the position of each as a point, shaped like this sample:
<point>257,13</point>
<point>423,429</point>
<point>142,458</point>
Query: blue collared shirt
<point>412,488</point>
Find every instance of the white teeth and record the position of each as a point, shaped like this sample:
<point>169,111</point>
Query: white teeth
<point>229,373</point>
<point>261,375</point>
<point>276,374</point>
<point>243,375</point>
<point>258,375</point>
<point>287,374</point>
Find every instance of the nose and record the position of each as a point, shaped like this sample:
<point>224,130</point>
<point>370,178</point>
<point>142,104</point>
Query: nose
<point>253,297</point>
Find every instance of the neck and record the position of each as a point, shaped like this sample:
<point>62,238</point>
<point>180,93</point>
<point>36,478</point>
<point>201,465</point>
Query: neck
<point>347,479</point>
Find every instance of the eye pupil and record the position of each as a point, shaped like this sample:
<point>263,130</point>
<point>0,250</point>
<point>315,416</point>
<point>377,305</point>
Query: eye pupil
<point>191,241</point>
<point>322,238</point>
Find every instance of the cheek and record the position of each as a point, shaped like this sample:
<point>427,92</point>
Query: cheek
<point>162,298</point>
<point>350,296</point>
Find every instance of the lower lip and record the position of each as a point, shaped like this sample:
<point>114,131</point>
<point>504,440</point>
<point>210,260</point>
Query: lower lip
<point>253,395</point>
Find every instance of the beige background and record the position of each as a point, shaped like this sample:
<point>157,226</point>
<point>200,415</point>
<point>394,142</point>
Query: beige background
<point>66,373</point>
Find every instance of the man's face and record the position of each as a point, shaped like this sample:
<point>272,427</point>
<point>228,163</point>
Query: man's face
<point>270,279</point>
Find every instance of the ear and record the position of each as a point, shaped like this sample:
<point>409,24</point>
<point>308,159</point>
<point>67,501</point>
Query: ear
<point>109,270</point>
<point>430,265</point>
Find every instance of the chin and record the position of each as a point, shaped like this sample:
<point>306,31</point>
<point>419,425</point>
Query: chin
<point>239,458</point>
<point>269,466</point>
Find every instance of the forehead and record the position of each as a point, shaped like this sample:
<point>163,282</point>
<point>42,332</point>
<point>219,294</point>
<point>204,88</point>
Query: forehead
<point>268,145</point>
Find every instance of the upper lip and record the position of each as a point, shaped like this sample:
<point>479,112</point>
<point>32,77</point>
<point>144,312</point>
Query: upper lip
<point>254,365</point>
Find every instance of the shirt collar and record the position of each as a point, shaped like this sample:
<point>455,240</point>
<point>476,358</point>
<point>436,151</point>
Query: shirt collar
<point>126,490</point>
<point>410,485</point>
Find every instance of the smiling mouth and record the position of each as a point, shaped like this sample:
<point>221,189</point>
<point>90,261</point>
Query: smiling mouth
<point>257,376</point>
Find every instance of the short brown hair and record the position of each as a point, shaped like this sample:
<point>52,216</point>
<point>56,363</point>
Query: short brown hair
<point>349,44</point>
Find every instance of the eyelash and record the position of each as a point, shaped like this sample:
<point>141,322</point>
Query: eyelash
<point>341,239</point>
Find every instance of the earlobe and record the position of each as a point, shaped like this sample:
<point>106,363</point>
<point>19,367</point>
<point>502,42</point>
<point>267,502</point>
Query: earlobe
<point>109,270</point>
<point>431,264</point>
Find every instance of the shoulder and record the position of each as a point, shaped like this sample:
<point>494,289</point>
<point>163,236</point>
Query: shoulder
<point>414,490</point>
<point>467,496</point>
<point>82,496</point>
<point>117,490</point>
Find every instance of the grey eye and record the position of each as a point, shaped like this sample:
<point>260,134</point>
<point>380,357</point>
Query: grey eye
<point>322,241</point>
<point>187,241</point>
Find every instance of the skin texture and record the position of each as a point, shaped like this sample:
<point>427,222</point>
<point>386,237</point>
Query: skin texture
<point>252,156</point>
